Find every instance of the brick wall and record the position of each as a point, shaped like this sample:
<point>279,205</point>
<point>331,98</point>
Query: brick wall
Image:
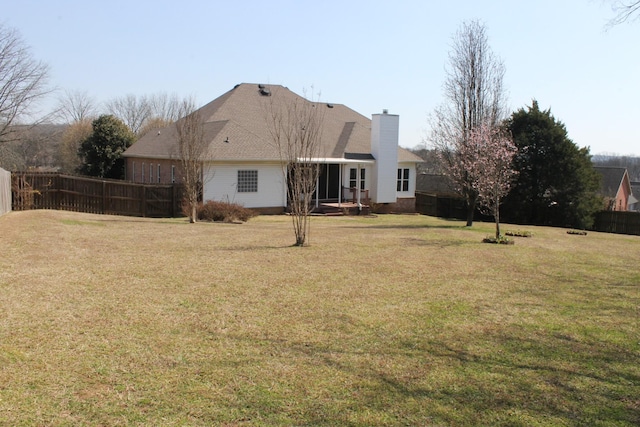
<point>403,205</point>
<point>146,171</point>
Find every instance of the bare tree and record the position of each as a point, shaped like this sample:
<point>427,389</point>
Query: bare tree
<point>76,106</point>
<point>192,147</point>
<point>72,137</point>
<point>474,95</point>
<point>145,113</point>
<point>296,131</point>
<point>23,80</point>
<point>132,110</point>
<point>164,110</point>
<point>624,11</point>
<point>164,106</point>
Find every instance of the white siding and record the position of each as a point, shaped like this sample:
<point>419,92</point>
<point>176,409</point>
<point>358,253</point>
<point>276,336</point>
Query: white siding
<point>384,148</point>
<point>412,180</point>
<point>221,180</point>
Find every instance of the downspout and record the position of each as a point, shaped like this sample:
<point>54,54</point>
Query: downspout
<point>358,188</point>
<point>317,184</point>
<point>340,186</point>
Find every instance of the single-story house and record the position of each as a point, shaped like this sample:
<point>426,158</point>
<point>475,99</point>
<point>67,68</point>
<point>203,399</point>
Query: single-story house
<point>359,158</point>
<point>615,187</point>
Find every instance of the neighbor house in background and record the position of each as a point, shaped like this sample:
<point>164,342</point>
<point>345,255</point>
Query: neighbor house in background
<point>634,203</point>
<point>359,158</point>
<point>615,187</point>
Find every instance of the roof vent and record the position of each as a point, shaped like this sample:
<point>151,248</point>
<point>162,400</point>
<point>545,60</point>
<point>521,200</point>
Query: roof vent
<point>265,92</point>
<point>329,105</point>
<point>260,86</point>
<point>385,111</point>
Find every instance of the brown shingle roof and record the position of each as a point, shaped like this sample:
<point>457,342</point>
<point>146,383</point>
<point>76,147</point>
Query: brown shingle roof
<point>612,177</point>
<point>237,129</point>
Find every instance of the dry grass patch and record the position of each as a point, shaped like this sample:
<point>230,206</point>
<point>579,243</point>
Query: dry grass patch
<point>393,320</point>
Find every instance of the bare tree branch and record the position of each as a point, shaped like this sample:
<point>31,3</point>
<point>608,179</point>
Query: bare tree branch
<point>191,149</point>
<point>296,131</point>
<point>23,80</point>
<point>474,96</point>
<point>625,11</point>
<point>76,106</point>
<point>164,110</point>
<point>133,111</point>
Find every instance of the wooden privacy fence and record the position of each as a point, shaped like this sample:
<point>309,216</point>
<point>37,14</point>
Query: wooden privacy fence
<point>617,222</point>
<point>440,206</point>
<point>90,195</point>
<point>5,191</point>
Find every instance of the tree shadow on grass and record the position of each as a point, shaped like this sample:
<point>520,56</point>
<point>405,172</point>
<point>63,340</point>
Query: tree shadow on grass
<point>441,243</point>
<point>411,227</point>
<point>546,377</point>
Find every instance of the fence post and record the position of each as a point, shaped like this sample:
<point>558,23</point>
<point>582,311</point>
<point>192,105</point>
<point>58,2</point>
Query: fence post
<point>104,197</point>
<point>144,201</point>
<point>174,200</point>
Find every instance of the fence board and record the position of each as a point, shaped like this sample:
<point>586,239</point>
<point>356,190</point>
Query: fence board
<point>5,191</point>
<point>440,206</point>
<point>91,195</point>
<point>619,222</point>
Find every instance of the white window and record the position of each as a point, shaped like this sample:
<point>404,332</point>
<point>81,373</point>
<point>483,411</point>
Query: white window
<point>158,173</point>
<point>173,174</point>
<point>353,178</point>
<point>150,172</point>
<point>133,171</point>
<point>403,180</point>
<point>247,181</point>
<point>142,171</point>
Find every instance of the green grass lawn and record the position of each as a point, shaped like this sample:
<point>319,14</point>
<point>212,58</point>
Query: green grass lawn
<point>393,320</point>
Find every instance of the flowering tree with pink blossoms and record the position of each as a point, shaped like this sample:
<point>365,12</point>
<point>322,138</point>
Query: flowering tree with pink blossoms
<point>485,160</point>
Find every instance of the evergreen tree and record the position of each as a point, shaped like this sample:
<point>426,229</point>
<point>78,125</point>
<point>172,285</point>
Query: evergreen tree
<point>101,152</point>
<point>556,182</point>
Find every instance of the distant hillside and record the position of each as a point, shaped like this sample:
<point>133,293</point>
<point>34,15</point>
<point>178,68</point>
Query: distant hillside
<point>631,163</point>
<point>31,146</point>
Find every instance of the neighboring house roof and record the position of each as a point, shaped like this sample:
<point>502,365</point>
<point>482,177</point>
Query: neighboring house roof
<point>612,178</point>
<point>237,128</point>
<point>635,193</point>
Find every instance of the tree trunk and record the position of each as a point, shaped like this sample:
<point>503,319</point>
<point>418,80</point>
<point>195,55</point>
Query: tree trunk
<point>496,215</point>
<point>471,208</point>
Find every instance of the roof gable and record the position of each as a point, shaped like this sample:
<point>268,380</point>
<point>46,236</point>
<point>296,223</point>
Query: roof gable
<point>612,179</point>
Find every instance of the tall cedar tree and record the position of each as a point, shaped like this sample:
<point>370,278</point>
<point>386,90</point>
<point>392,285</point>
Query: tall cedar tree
<point>101,153</point>
<point>556,182</point>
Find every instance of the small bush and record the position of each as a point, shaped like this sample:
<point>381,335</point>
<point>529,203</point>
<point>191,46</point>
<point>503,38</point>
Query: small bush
<point>519,233</point>
<point>577,232</point>
<point>224,212</point>
<point>501,241</point>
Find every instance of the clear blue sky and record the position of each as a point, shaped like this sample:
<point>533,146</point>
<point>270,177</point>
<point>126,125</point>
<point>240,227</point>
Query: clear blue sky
<point>368,55</point>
